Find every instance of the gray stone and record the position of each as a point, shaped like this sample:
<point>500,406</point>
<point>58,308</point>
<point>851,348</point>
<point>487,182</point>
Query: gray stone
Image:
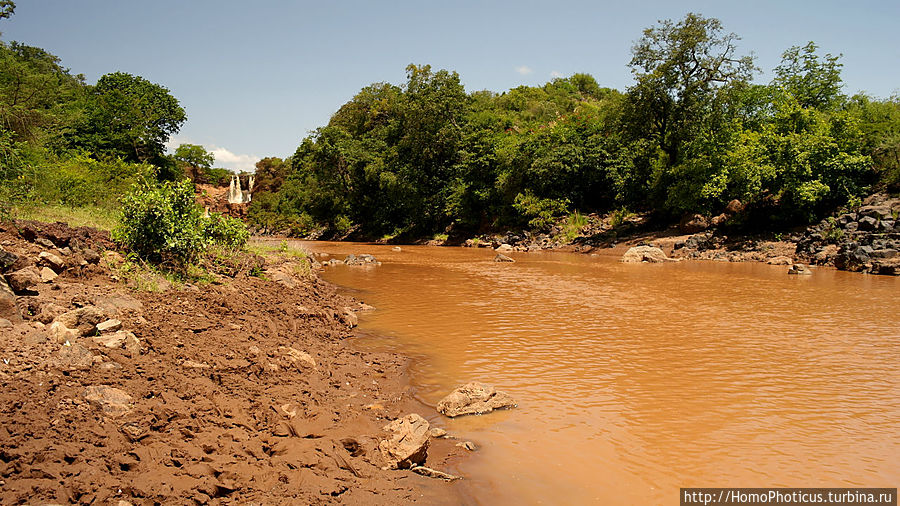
<point>884,253</point>
<point>799,269</point>
<point>503,258</point>
<point>433,473</point>
<point>7,259</point>
<point>474,399</point>
<point>876,212</point>
<point>887,225</point>
<point>90,256</point>
<point>114,340</point>
<point>693,223</point>
<point>83,320</point>
<point>867,223</point>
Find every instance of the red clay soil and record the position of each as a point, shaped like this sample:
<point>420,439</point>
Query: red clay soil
<point>221,410</point>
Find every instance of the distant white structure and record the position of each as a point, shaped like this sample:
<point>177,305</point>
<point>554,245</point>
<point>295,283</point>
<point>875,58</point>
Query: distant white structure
<point>235,194</point>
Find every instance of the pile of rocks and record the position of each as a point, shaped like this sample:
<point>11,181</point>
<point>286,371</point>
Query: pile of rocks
<point>864,240</point>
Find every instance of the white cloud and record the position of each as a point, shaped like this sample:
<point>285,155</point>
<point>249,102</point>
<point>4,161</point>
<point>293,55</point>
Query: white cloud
<point>524,70</point>
<point>233,161</point>
<point>556,73</point>
<point>225,158</point>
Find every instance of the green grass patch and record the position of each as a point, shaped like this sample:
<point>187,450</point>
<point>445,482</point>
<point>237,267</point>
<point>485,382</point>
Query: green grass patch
<point>88,216</point>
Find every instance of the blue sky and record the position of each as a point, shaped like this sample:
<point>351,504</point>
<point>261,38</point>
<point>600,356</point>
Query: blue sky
<point>256,77</point>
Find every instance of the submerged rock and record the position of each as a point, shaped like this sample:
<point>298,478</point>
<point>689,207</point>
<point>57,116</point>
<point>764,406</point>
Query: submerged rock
<point>799,269</point>
<point>474,399</point>
<point>502,258</point>
<point>408,446</point>
<point>640,254</point>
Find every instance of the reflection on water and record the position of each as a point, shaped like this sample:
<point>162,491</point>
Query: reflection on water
<point>635,380</point>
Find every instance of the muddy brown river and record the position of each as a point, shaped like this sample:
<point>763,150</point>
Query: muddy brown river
<point>635,380</point>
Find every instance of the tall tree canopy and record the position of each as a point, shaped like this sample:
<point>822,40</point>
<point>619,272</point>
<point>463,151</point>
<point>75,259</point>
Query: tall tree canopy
<point>130,117</point>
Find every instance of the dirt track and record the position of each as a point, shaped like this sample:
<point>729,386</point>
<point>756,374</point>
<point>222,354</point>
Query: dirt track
<point>225,405</point>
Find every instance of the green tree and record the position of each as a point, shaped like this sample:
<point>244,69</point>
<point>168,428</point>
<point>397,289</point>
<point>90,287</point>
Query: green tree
<point>815,82</point>
<point>7,8</point>
<point>679,68</point>
<point>194,161</point>
<point>131,117</point>
<point>38,97</point>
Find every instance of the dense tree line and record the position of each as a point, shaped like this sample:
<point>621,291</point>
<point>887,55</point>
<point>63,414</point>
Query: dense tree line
<point>64,141</point>
<point>692,133</point>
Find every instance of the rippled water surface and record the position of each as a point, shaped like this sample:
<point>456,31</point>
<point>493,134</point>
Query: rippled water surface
<point>635,380</point>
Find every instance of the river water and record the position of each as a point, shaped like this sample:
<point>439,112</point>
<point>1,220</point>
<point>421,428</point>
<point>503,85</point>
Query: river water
<point>635,380</point>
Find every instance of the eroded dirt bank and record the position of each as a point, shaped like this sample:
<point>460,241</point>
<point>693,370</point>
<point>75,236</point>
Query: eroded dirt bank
<point>242,392</point>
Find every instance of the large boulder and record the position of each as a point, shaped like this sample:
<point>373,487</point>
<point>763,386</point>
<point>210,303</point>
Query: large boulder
<point>474,399</point>
<point>408,445</point>
<point>693,223</point>
<point>640,254</point>
<point>23,279</point>
<point>734,207</point>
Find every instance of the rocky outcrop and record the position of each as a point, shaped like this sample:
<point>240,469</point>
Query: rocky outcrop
<point>649,254</point>
<point>474,399</point>
<point>408,445</point>
<point>864,240</point>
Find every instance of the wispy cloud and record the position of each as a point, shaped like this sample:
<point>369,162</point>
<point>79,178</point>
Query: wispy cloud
<point>233,161</point>
<point>524,70</point>
<point>555,73</point>
<point>225,158</point>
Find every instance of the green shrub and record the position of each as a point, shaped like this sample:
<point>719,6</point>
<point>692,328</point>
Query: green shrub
<point>164,225</point>
<point>225,230</point>
<point>540,213</point>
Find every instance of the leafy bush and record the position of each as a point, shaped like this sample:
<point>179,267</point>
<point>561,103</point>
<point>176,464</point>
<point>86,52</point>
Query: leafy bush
<point>539,212</point>
<point>225,230</point>
<point>163,224</point>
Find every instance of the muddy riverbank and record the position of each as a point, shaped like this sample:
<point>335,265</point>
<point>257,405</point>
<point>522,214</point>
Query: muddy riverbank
<point>243,390</point>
